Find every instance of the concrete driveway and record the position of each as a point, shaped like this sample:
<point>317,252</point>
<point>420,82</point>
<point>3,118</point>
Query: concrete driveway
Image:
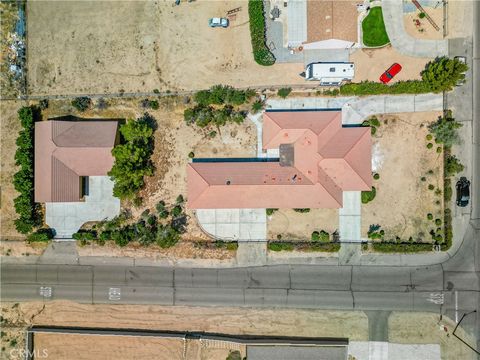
<point>234,224</point>
<point>66,218</point>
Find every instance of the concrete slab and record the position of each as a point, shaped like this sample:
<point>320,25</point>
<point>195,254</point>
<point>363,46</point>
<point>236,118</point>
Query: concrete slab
<point>67,218</point>
<point>234,224</point>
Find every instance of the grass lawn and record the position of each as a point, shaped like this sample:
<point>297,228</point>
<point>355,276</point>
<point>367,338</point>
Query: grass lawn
<point>373,28</point>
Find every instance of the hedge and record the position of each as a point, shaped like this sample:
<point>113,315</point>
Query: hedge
<point>223,94</point>
<point>29,212</point>
<point>403,247</point>
<point>303,246</point>
<point>261,53</point>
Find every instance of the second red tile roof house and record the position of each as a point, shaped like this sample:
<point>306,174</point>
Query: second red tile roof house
<point>319,159</point>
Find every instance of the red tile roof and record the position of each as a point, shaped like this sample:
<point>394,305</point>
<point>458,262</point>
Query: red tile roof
<point>67,150</point>
<point>328,159</point>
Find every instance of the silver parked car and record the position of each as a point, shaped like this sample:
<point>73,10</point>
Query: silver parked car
<point>218,22</point>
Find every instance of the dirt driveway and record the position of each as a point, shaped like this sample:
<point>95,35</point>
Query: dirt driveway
<point>139,46</point>
<point>406,168</point>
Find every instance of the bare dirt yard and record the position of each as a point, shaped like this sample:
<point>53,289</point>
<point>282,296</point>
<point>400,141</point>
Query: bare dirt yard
<point>421,28</point>
<point>408,170</point>
<point>371,63</point>
<point>425,328</point>
<point>292,225</point>
<point>139,46</point>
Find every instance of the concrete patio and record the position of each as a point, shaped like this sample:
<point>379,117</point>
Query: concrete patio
<point>234,224</point>
<point>67,217</point>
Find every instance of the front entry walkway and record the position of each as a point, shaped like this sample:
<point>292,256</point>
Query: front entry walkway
<point>234,224</point>
<point>67,217</point>
<point>350,217</point>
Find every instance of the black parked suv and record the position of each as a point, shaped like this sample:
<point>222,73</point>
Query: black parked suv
<point>463,192</point>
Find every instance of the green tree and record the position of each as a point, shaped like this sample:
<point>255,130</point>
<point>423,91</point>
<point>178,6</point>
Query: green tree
<point>167,236</point>
<point>132,158</point>
<point>81,103</point>
<point>445,130</point>
<point>442,74</point>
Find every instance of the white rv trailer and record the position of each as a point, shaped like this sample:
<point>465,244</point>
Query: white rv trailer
<point>330,73</point>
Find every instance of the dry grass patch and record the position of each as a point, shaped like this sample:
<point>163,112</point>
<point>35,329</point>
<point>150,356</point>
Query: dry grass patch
<point>292,225</point>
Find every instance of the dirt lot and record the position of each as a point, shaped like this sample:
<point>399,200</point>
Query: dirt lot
<point>425,30</point>
<point>401,158</point>
<point>299,226</point>
<point>424,328</point>
<point>370,64</point>
<point>141,46</point>
<point>10,126</point>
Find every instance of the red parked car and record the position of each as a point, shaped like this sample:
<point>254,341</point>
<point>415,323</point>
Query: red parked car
<point>390,73</point>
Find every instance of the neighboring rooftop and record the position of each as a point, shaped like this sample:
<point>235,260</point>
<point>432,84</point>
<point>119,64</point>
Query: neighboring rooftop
<point>323,159</point>
<point>65,151</point>
<point>328,19</point>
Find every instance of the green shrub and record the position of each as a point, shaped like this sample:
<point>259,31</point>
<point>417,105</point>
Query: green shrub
<point>376,176</point>
<point>280,246</point>
<point>423,178</point>
<point>229,245</point>
<point>203,116</point>
<point>179,199</point>
<point>191,154</point>
<point>261,53</point>
<point>306,210</point>
<point>452,165</point>
<point>271,211</point>
<point>401,247</point>
<point>177,211</point>
<point>167,236</point>
<point>429,145</point>
<point>421,15</point>
<point>447,230</point>
<point>154,104</point>
<point>212,134</point>
<point>84,235</point>
<point>284,92</point>
<point>132,158</point>
<point>447,190</point>
<point>439,150</point>
<point>81,103</point>
<point>321,236</point>
<point>431,187</point>
<point>257,106</point>
<point>438,222</point>
<point>442,74</point>
<point>429,216</point>
<point>41,235</point>
<point>429,137</point>
<point>368,196</point>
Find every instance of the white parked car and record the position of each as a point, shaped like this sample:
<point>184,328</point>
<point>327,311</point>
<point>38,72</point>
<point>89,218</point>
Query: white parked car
<point>218,22</point>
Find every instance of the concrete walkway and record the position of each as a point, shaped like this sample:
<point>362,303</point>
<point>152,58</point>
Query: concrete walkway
<point>350,217</point>
<point>402,41</point>
<point>66,218</point>
<point>357,109</point>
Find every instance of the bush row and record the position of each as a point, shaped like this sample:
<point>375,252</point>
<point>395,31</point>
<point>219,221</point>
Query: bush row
<point>261,53</point>
<point>303,246</point>
<point>221,94</point>
<point>29,212</point>
<point>203,116</point>
<point>402,247</point>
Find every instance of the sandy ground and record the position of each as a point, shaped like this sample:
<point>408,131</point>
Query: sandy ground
<point>299,226</point>
<point>425,30</point>
<point>370,64</point>
<point>225,320</point>
<point>10,126</point>
<point>401,158</point>
<point>183,250</point>
<point>424,328</point>
<point>141,46</point>
<point>20,248</point>
<point>86,347</point>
